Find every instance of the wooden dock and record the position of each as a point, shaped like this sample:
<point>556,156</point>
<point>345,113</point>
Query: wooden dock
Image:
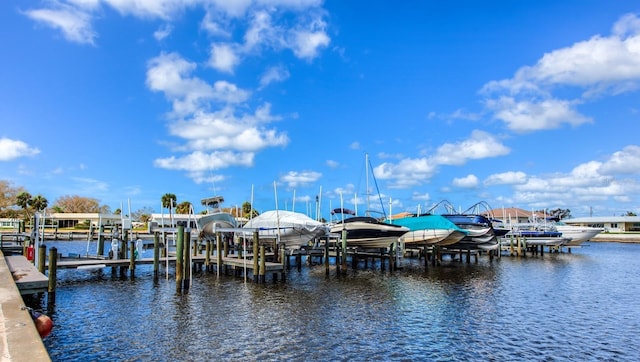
<point>19,338</point>
<point>27,278</point>
<point>234,263</point>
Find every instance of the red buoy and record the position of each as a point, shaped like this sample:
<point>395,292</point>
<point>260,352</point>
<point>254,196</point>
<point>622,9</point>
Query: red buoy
<point>43,323</point>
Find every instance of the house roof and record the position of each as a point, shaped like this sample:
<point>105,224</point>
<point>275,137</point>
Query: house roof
<point>507,212</point>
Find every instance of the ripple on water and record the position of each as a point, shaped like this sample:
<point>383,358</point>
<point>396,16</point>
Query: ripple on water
<point>578,306</point>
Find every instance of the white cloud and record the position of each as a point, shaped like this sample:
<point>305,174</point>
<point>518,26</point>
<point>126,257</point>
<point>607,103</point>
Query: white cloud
<point>421,197</point>
<point>506,178</point>
<point>626,161</point>
<point>12,149</point>
<point>469,181</point>
<point>260,31</point>
<point>223,130</point>
<point>332,163</point>
<point>148,9</point>
<point>163,32</point>
<point>296,179</point>
<point>411,172</point>
<point>406,173</point>
<point>171,74</point>
<point>274,74</point>
<point>306,43</point>
<point>200,162</point>
<point>478,146</point>
<point>597,66</point>
<point>588,182</point>
<point>526,116</point>
<point>74,23</point>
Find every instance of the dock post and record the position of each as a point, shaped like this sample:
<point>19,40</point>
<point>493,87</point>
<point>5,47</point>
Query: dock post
<point>218,252</point>
<point>187,260</point>
<point>195,246</point>
<point>326,256</point>
<point>343,262</point>
<point>263,265</point>
<point>132,258</point>
<point>207,255</point>
<point>122,250</point>
<point>101,241</point>
<point>283,253</point>
<point>338,250</point>
<point>42,253</point>
<point>179,255</point>
<point>156,256</point>
<point>256,242</point>
<point>53,267</point>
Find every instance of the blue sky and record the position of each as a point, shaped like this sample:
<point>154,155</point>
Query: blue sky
<point>515,103</point>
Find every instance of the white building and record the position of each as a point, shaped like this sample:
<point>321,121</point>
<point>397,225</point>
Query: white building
<point>609,223</point>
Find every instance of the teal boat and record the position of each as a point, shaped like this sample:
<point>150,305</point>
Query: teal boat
<point>430,230</point>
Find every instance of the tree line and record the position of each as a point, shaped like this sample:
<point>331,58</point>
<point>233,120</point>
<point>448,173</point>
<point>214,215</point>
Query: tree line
<point>17,203</point>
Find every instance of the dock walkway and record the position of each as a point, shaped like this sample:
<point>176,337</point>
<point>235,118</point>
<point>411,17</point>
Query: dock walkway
<point>19,338</point>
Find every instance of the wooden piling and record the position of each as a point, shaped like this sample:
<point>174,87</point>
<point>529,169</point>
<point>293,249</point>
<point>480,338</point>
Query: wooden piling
<point>53,268</point>
<point>343,262</point>
<point>156,256</point>
<point>283,254</point>
<point>187,261</point>
<point>122,250</point>
<point>218,252</point>
<point>132,258</point>
<point>179,258</point>
<point>256,243</point>
<point>326,256</point>
<point>207,255</point>
<point>42,254</point>
<point>101,241</point>
<point>263,265</point>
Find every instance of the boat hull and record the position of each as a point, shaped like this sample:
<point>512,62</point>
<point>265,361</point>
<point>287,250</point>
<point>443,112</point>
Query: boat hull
<point>577,235</point>
<point>366,232</point>
<point>211,223</point>
<point>429,230</point>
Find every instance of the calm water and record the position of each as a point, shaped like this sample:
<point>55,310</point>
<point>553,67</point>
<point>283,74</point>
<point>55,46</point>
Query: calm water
<point>579,306</point>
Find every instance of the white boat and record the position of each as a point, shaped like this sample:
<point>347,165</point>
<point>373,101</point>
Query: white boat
<point>577,234</point>
<point>429,230</point>
<point>542,239</point>
<point>368,232</point>
<point>215,219</point>
<point>294,229</point>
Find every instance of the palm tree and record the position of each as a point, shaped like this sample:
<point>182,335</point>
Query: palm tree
<point>39,203</point>
<point>168,200</point>
<point>22,200</point>
<point>248,211</point>
<point>183,208</point>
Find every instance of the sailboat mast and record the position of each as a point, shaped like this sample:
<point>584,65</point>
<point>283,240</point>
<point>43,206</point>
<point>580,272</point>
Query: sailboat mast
<point>366,172</point>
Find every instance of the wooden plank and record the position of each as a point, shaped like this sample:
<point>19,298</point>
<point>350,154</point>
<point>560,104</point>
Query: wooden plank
<point>28,279</point>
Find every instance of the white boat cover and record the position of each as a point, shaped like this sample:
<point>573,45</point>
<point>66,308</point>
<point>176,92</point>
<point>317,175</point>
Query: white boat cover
<point>292,228</point>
